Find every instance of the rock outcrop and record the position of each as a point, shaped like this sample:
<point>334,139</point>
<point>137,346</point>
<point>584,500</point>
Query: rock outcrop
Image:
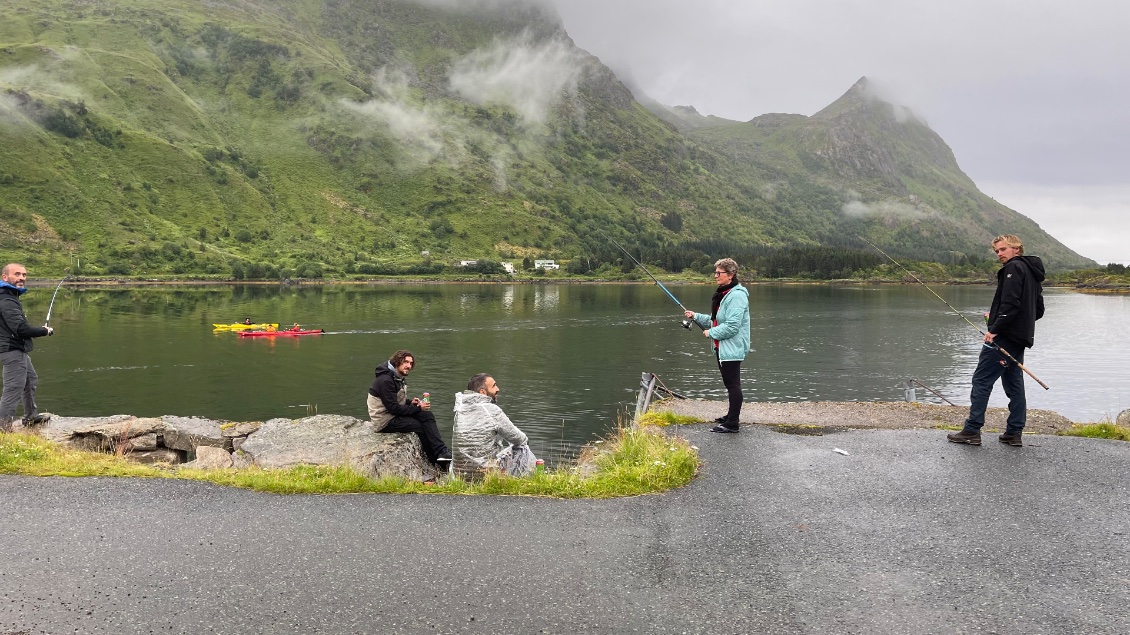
<point>337,440</point>
<point>1123,418</point>
<point>279,443</point>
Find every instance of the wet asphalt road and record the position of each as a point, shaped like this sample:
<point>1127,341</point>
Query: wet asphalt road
<point>779,534</point>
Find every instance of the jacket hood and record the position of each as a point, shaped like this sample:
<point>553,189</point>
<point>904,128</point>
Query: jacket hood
<point>385,369</point>
<point>19,290</point>
<point>1036,265</point>
<point>468,399</point>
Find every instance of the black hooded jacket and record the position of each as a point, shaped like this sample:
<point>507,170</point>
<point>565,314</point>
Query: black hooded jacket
<point>1019,300</point>
<point>392,390</point>
<point>15,332</point>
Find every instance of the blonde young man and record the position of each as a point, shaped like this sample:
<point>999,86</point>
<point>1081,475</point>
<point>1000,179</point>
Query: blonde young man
<point>1017,304</point>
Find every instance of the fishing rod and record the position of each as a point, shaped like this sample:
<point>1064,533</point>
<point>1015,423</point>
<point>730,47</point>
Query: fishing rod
<point>686,323</point>
<point>992,345</point>
<point>51,306</point>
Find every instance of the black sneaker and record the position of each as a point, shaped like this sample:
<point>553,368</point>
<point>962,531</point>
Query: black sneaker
<point>37,420</point>
<point>968,438</point>
<point>1014,440</point>
<point>721,419</point>
<point>443,464</point>
<point>725,429</point>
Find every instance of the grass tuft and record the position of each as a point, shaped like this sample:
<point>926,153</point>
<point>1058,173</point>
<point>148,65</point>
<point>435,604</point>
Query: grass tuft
<point>627,463</point>
<point>667,418</point>
<point>1104,430</point>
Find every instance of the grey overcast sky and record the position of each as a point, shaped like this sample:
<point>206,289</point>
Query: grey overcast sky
<point>1030,94</point>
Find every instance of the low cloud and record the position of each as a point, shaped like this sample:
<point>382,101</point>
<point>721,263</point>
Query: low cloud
<point>419,128</point>
<point>884,209</point>
<point>529,77</point>
<point>9,111</point>
<point>34,79</point>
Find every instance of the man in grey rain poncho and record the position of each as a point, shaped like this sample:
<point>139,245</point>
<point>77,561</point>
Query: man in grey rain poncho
<point>484,437</point>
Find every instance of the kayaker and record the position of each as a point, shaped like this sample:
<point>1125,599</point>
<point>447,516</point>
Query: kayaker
<point>20,380</point>
<point>390,410</point>
<point>247,321</point>
<point>296,327</point>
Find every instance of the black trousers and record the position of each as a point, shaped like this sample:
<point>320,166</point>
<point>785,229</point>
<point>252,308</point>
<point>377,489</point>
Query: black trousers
<point>424,425</point>
<point>731,378</point>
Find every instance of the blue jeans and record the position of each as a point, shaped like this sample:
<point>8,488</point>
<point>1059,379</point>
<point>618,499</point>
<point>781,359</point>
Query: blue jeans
<point>993,365</point>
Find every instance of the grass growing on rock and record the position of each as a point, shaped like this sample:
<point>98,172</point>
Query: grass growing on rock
<point>1105,430</point>
<point>627,463</point>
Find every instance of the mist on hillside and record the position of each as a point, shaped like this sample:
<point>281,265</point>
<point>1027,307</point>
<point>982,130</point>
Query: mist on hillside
<point>34,78</point>
<point>9,111</point>
<point>527,76</point>
<point>31,79</point>
<point>884,209</point>
<point>421,130</point>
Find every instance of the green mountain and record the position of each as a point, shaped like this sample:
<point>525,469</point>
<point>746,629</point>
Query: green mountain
<point>310,138</point>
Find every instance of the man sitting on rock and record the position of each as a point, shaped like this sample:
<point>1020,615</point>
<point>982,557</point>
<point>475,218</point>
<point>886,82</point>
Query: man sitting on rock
<point>485,439</point>
<point>391,411</point>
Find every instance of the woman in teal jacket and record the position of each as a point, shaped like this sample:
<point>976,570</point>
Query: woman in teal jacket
<point>728,327</point>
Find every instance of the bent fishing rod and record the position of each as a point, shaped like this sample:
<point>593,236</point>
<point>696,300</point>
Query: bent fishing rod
<point>993,345</point>
<point>686,323</point>
<point>51,306</point>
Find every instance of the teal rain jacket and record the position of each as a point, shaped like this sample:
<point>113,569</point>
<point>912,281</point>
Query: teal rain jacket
<point>732,331</point>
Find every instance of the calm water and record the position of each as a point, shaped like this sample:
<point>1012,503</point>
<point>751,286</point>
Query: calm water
<point>568,357</point>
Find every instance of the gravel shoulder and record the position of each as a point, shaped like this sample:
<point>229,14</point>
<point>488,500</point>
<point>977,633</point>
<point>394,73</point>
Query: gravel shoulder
<point>884,415</point>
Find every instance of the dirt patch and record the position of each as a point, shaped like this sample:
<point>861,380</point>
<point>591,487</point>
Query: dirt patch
<point>837,416</point>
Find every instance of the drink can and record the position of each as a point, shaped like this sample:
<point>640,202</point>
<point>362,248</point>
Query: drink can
<point>539,466</point>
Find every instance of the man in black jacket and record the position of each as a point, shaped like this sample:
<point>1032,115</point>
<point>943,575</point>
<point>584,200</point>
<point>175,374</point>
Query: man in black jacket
<point>391,411</point>
<point>20,380</point>
<point>1017,304</point>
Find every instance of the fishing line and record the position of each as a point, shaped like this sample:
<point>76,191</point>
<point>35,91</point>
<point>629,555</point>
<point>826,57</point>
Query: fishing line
<point>686,323</point>
<point>992,345</point>
<point>51,306</point>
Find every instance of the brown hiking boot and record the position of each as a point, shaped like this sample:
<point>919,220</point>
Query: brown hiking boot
<point>1014,440</point>
<point>968,438</point>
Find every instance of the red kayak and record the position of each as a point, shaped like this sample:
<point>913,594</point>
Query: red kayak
<point>279,333</point>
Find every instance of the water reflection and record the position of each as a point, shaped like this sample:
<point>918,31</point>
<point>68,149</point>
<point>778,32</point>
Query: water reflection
<point>568,357</point>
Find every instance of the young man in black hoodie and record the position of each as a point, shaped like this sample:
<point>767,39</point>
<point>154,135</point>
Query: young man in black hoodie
<point>1018,303</point>
<point>391,411</point>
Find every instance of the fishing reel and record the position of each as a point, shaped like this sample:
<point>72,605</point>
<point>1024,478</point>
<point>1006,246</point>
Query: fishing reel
<point>687,324</point>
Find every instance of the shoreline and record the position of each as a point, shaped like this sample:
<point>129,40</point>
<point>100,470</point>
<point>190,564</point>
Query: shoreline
<point>832,416</point>
<point>125,283</point>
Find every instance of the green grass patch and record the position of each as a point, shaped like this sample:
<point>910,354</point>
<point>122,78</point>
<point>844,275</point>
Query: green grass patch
<point>1098,431</point>
<point>627,463</point>
<point>667,418</point>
